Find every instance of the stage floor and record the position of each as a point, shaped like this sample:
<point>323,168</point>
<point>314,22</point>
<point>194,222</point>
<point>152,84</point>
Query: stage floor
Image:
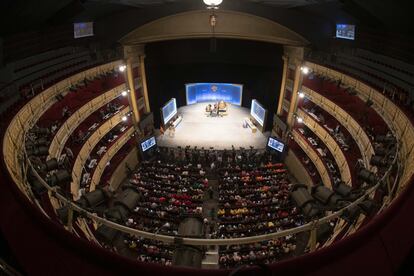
<point>196,129</point>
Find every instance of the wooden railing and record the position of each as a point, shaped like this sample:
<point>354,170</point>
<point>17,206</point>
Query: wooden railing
<point>297,169</point>
<point>66,130</point>
<point>353,127</point>
<point>396,119</point>
<point>108,156</point>
<point>89,145</point>
<point>332,145</point>
<point>29,114</point>
<point>314,157</point>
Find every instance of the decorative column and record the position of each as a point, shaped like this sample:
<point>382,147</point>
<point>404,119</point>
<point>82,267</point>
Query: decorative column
<point>132,94</point>
<point>295,91</point>
<point>144,82</point>
<point>134,55</point>
<point>283,86</point>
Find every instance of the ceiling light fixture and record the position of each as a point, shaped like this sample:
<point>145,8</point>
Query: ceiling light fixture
<point>212,4</point>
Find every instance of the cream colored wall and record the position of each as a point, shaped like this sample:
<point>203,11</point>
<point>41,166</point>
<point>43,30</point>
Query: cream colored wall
<point>120,174</point>
<point>230,24</point>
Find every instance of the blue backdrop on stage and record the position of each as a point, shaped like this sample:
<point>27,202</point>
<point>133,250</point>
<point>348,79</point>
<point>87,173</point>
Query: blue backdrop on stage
<point>212,92</point>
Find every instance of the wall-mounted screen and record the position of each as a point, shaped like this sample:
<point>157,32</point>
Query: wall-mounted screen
<point>275,144</point>
<point>147,144</point>
<point>258,112</point>
<point>213,92</point>
<point>82,29</point>
<point>345,31</point>
<point>169,110</point>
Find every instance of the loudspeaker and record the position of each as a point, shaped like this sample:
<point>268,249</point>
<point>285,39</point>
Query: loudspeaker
<point>367,176</point>
<point>322,194</point>
<point>301,197</point>
<point>342,189</point>
<point>50,165</point>
<point>60,178</point>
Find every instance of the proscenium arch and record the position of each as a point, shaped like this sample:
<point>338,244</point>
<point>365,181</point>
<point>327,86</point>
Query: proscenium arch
<point>230,24</point>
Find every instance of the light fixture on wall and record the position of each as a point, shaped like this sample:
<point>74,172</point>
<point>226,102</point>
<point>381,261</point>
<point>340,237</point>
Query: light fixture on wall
<point>122,68</point>
<point>301,95</point>
<point>305,70</point>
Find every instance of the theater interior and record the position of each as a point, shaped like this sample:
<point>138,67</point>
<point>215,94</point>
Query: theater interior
<point>206,137</point>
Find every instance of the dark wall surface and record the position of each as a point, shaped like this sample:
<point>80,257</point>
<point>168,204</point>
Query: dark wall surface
<point>172,64</point>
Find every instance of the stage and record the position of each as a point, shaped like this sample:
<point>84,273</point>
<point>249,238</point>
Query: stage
<point>197,129</point>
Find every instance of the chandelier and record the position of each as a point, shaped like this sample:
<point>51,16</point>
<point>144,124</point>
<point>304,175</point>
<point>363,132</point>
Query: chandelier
<point>212,4</point>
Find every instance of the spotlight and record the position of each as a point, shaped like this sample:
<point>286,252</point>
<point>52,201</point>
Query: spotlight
<point>50,165</point>
<point>299,119</point>
<point>124,93</point>
<point>91,200</point>
<point>38,151</point>
<point>305,70</point>
<point>301,95</point>
<point>351,214</point>
<point>61,177</point>
<point>122,68</point>
<point>304,200</point>
<point>367,176</point>
<point>342,189</point>
<point>124,118</point>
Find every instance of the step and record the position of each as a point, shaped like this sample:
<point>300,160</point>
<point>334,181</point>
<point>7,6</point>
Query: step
<point>209,265</point>
<point>211,252</point>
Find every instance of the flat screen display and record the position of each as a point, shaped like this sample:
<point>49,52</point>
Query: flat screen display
<point>345,31</point>
<point>214,92</point>
<point>258,112</point>
<point>169,110</point>
<point>275,144</point>
<point>82,29</point>
<point>149,143</point>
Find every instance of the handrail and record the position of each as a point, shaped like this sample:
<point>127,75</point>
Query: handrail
<point>388,110</point>
<point>314,156</point>
<point>25,162</point>
<point>68,127</point>
<point>197,241</point>
<point>353,127</point>
<point>89,145</point>
<point>337,153</point>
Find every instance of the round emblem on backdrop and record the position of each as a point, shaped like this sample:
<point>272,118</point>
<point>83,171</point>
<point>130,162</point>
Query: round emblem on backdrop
<point>214,88</point>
